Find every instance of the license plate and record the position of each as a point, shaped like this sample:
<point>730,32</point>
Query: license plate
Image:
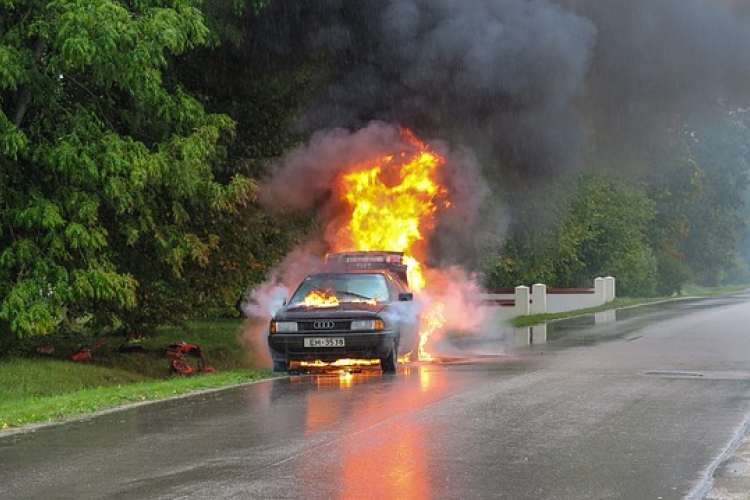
<point>324,342</point>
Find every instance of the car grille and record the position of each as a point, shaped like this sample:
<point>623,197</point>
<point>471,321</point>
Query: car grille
<point>324,326</point>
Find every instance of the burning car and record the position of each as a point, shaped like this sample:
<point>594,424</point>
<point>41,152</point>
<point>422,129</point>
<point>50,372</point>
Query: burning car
<point>359,307</point>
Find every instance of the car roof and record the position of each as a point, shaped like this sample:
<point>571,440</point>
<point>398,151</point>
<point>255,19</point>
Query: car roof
<point>368,261</point>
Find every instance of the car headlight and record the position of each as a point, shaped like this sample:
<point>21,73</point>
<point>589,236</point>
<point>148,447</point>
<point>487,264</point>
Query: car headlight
<point>283,327</point>
<point>368,324</point>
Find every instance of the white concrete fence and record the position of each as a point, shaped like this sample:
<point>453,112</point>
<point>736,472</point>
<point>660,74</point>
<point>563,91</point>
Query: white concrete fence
<point>539,299</point>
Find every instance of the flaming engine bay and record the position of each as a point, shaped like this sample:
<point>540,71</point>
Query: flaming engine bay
<point>359,307</point>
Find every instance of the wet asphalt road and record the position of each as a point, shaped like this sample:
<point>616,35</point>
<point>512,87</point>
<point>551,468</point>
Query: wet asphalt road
<point>644,407</point>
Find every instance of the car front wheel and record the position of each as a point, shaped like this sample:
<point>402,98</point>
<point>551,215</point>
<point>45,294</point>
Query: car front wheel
<point>388,364</point>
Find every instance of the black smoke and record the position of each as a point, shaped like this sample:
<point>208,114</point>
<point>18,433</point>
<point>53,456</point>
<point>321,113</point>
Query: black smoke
<point>530,88</point>
<point>500,77</point>
<point>659,64</point>
<point>523,83</point>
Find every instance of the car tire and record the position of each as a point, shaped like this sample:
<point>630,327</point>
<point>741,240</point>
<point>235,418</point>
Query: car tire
<point>388,364</point>
<point>280,366</point>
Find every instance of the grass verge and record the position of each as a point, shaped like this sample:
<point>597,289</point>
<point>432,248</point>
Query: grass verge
<point>31,409</point>
<point>37,388</point>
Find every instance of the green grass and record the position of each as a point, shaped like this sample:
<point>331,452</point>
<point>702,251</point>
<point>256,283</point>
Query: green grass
<point>20,378</point>
<point>21,409</point>
<point>38,388</point>
<point>696,290</point>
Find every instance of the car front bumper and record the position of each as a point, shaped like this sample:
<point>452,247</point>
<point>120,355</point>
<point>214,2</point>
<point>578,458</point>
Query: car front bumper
<point>365,345</point>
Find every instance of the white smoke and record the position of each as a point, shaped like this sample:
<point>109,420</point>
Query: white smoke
<point>451,297</point>
<point>264,300</point>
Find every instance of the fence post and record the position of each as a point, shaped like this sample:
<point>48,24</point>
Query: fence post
<point>522,336</point>
<point>539,333</point>
<point>522,301</point>
<point>538,299</point>
<point>609,289</point>
<point>600,292</point>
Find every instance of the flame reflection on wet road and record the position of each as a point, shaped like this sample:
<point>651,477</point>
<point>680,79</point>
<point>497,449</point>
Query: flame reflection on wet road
<point>375,438</point>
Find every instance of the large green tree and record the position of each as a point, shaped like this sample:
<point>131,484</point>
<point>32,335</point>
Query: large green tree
<point>605,233</point>
<point>107,166</point>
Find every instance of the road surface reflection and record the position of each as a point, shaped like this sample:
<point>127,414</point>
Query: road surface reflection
<point>372,431</point>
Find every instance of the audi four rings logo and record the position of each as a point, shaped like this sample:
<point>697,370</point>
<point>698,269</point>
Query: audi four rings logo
<point>323,325</point>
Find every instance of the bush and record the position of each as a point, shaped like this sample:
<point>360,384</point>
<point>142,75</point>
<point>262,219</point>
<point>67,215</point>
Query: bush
<point>672,276</point>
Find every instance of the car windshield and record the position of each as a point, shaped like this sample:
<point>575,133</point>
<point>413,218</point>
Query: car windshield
<point>349,287</point>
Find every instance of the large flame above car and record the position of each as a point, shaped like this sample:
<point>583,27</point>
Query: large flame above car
<point>392,203</point>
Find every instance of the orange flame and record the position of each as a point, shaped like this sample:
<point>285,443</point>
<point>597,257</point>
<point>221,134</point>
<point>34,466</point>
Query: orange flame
<point>392,203</point>
<point>330,299</point>
<point>321,299</point>
<point>344,362</point>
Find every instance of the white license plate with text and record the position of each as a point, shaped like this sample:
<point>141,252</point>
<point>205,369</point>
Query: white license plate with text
<point>324,342</point>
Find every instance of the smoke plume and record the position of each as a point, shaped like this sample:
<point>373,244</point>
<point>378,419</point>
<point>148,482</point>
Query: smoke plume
<point>264,300</point>
<point>498,77</point>
<point>657,65</point>
<point>528,89</point>
<point>529,86</point>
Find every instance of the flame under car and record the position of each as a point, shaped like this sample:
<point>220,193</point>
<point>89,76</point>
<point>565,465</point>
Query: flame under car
<point>360,308</point>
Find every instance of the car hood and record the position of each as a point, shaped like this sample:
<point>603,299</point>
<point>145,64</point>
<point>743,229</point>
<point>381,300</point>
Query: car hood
<point>352,309</point>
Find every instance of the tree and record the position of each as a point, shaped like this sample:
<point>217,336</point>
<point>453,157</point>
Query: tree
<point>106,167</point>
<point>700,196</point>
<point>721,153</point>
<point>263,94</point>
<point>603,232</point>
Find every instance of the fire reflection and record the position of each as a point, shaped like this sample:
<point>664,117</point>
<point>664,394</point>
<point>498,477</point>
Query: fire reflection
<point>385,460</point>
<point>346,378</point>
<point>393,468</point>
<point>424,379</point>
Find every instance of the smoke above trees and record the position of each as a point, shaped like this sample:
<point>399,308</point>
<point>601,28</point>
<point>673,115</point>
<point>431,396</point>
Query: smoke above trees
<point>518,80</point>
<point>532,89</point>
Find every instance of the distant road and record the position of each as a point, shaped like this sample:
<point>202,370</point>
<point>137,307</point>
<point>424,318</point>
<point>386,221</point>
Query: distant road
<point>643,407</point>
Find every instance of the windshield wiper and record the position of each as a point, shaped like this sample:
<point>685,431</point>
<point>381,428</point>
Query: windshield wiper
<point>344,292</point>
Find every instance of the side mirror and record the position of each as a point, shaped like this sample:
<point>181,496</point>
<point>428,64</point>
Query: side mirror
<point>405,297</point>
